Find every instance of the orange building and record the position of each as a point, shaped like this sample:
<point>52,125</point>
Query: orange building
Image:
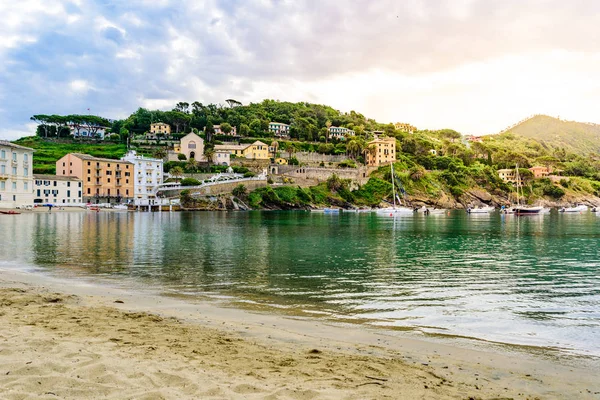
<point>104,180</point>
<point>380,151</point>
<point>540,172</point>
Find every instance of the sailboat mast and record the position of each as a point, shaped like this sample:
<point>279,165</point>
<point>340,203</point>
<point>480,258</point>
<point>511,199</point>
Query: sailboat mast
<point>518,183</point>
<point>393,187</point>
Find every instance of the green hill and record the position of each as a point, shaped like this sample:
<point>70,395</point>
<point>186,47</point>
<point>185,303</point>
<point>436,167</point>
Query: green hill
<point>577,137</point>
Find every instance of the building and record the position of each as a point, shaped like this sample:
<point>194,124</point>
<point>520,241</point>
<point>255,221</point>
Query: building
<point>279,129</point>
<point>16,178</point>
<point>474,139</point>
<point>219,131</point>
<point>336,132</point>
<point>147,173</point>
<point>104,180</point>
<point>88,132</point>
<point>160,128</point>
<point>221,157</point>
<point>192,146</point>
<point>57,190</point>
<point>508,175</point>
<point>540,172</point>
<point>255,151</point>
<point>380,151</point>
<point>404,127</point>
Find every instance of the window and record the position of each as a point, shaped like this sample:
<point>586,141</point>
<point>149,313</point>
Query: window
<point>25,157</point>
<point>89,179</point>
<point>3,154</point>
<point>14,186</point>
<point>2,185</point>
<point>38,193</point>
<point>14,156</point>
<point>2,169</point>
<point>54,183</point>
<point>26,186</point>
<point>89,163</point>
<point>89,191</point>
<point>79,184</point>
<point>192,145</point>
<point>14,170</point>
<point>68,193</point>
<point>64,172</point>
<point>80,192</point>
<point>108,180</point>
<point>68,184</point>
<point>26,171</point>
<point>64,164</point>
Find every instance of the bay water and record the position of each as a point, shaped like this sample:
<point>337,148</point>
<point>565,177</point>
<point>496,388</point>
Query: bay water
<point>520,280</point>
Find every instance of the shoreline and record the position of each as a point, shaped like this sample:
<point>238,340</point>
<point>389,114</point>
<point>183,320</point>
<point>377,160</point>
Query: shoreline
<point>335,359</point>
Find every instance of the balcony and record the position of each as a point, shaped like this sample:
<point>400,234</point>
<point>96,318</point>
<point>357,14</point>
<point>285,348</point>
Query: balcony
<point>14,163</point>
<point>118,184</point>
<point>3,177</point>
<point>98,167</point>
<point>98,183</point>
<point>118,174</point>
<point>98,175</point>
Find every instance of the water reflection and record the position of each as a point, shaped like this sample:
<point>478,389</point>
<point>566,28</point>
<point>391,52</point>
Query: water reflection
<point>531,280</point>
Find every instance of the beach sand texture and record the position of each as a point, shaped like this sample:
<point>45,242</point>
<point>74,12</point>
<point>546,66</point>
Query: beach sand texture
<point>52,345</point>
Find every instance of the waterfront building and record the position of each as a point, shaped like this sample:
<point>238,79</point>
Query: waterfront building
<point>104,180</point>
<point>219,131</point>
<point>16,178</point>
<point>279,129</point>
<point>255,151</point>
<point>404,127</point>
<point>337,132</point>
<point>380,151</point>
<point>57,190</point>
<point>540,172</point>
<point>160,128</point>
<point>147,174</point>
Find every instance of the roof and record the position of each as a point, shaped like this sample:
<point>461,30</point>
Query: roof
<point>226,147</point>
<point>159,123</point>
<point>278,123</point>
<point>193,134</point>
<point>385,139</point>
<point>87,157</point>
<point>14,146</point>
<point>55,177</point>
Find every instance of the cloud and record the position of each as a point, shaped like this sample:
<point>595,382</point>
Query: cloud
<point>473,65</point>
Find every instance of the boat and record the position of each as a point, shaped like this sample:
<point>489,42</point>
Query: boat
<point>577,209</point>
<point>331,210</point>
<point>524,209</point>
<point>120,207</point>
<point>395,209</point>
<point>433,211</point>
<point>9,212</point>
<point>480,210</point>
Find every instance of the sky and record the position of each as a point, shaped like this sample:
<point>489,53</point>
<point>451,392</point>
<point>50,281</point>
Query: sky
<point>476,66</point>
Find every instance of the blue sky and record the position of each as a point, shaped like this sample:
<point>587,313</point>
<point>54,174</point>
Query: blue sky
<point>472,65</point>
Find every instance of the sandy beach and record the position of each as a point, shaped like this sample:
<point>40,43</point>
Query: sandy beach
<point>74,340</point>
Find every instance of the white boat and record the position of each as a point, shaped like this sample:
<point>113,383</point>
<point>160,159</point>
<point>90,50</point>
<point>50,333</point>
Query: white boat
<point>331,210</point>
<point>524,209</point>
<point>394,210</point>
<point>120,207</point>
<point>480,210</point>
<point>576,209</point>
<point>427,211</point>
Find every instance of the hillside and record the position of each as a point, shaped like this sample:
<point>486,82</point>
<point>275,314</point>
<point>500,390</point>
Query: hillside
<point>577,137</point>
<point>48,152</point>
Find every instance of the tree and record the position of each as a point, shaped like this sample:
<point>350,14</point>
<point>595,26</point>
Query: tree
<point>209,131</point>
<point>160,153</point>
<point>209,153</point>
<point>354,148</point>
<point>327,126</point>
<point>181,157</point>
<point>177,173</point>
<point>275,147</point>
<point>240,191</point>
<point>226,128</point>
<point>244,130</point>
<point>42,121</point>
<point>182,107</point>
<point>233,103</point>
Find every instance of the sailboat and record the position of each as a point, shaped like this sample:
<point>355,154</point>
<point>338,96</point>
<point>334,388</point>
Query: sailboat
<point>395,209</point>
<point>524,209</point>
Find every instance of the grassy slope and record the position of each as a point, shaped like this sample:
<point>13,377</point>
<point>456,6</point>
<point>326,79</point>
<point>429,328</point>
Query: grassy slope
<point>47,153</point>
<point>577,137</point>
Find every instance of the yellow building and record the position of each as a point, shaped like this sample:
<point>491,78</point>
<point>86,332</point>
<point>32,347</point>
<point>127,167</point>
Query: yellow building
<point>104,180</point>
<point>160,128</point>
<point>380,151</point>
<point>508,175</point>
<point>255,151</point>
<point>404,127</point>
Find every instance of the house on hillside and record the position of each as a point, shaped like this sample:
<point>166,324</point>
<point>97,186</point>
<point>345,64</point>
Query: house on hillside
<point>540,171</point>
<point>474,139</point>
<point>340,133</point>
<point>254,151</point>
<point>404,127</point>
<point>219,131</point>
<point>191,146</point>
<point>380,151</point>
<point>279,129</point>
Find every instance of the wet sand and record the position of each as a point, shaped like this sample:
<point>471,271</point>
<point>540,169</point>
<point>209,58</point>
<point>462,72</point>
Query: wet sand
<point>73,340</point>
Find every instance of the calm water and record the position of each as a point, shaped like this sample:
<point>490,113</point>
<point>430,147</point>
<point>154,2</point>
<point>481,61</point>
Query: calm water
<point>524,280</point>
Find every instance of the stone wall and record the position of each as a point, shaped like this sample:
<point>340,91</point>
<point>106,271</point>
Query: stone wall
<point>304,156</point>
<point>227,187</point>
<point>320,174</point>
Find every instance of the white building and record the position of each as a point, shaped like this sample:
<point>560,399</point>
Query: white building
<point>16,178</point>
<point>57,190</point>
<point>340,132</point>
<point>148,173</point>
<point>221,157</point>
<point>279,129</point>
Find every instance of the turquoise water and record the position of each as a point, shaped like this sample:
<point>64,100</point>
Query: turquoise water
<point>521,280</point>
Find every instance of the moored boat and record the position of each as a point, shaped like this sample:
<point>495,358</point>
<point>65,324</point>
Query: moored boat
<point>394,210</point>
<point>576,209</point>
<point>480,210</point>
<point>9,212</point>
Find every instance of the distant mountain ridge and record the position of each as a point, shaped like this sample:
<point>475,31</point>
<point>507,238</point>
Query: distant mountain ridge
<point>578,137</point>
